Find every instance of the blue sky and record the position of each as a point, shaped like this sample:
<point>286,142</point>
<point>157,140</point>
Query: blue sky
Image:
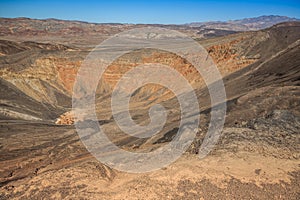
<point>155,11</point>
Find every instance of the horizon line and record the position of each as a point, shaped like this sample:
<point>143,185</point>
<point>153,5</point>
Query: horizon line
<point>91,22</point>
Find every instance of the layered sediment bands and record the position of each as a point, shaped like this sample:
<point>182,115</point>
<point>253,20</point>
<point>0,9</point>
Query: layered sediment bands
<point>45,75</point>
<point>15,104</point>
<point>46,72</point>
<point>65,70</point>
<point>228,58</point>
<point>129,61</point>
<point>256,156</point>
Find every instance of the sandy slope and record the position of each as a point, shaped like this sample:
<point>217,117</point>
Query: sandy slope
<point>256,157</point>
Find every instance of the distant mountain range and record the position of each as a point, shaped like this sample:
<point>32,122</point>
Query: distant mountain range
<point>256,155</point>
<point>77,32</point>
<point>255,23</point>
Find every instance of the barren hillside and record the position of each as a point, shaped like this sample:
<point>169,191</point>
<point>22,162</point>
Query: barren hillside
<point>256,157</point>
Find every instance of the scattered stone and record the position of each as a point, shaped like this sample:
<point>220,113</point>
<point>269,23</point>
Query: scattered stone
<point>67,118</point>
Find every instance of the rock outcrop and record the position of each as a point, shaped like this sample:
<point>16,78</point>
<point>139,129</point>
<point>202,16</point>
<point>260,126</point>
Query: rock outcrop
<point>67,118</point>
